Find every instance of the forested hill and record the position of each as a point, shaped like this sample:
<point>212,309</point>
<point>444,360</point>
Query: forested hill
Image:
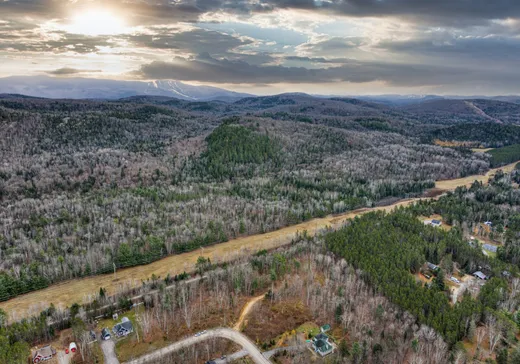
<point>86,184</point>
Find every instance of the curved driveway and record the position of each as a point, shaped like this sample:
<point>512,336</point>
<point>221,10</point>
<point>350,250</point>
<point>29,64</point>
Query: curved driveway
<point>225,333</point>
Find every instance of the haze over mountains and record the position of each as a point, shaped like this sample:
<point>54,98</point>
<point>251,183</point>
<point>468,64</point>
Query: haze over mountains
<point>91,88</point>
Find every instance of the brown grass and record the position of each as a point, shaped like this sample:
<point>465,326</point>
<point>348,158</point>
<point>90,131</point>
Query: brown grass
<point>455,143</point>
<point>267,320</point>
<point>450,185</point>
<point>481,150</point>
<point>78,291</point>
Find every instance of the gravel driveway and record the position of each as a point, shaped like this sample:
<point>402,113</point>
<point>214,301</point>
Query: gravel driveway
<point>109,351</point>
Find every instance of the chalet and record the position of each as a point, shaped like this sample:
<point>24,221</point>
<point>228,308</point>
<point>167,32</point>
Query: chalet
<point>123,328</point>
<point>44,354</point>
<point>480,275</point>
<point>322,345</point>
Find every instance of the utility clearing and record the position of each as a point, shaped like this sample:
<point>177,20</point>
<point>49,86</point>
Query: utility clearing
<point>84,290</point>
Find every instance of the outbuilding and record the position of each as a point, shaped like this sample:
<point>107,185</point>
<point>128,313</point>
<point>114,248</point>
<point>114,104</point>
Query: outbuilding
<point>480,275</point>
<point>44,354</point>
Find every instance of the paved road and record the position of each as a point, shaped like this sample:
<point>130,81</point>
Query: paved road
<point>109,351</point>
<point>225,333</point>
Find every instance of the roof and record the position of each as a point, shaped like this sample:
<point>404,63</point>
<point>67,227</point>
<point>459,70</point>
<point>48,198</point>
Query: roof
<point>325,327</point>
<point>489,247</point>
<point>431,265</point>
<point>46,351</point>
<point>322,345</point>
<point>436,222</point>
<point>127,325</point>
<point>321,337</point>
<point>480,275</point>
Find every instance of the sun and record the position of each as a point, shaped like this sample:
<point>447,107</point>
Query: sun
<point>96,22</point>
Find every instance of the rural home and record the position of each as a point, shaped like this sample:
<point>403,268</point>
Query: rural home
<point>480,275</point>
<point>436,223</point>
<point>490,248</point>
<point>321,345</point>
<point>123,328</point>
<point>43,354</point>
<point>432,266</point>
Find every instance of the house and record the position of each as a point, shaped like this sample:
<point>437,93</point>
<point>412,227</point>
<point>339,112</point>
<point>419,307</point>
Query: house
<point>480,275</point>
<point>322,345</point>
<point>432,266</point>
<point>325,328</point>
<point>488,223</point>
<point>436,223</point>
<point>123,328</point>
<point>490,248</point>
<point>43,354</point>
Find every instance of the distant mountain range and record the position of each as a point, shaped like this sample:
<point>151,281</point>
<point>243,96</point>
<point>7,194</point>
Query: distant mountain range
<point>89,88</point>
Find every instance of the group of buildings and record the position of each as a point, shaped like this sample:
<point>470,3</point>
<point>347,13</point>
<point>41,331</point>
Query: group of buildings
<point>121,329</point>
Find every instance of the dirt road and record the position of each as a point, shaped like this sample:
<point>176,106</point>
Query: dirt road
<point>85,289</point>
<point>245,311</point>
<point>225,333</point>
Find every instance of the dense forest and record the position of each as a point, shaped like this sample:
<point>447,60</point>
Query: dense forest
<point>398,244</point>
<point>89,184</point>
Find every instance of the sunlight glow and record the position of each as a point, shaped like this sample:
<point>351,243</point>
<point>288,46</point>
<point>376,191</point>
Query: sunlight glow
<point>96,22</point>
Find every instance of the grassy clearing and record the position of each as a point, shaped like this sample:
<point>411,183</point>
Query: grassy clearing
<point>481,150</point>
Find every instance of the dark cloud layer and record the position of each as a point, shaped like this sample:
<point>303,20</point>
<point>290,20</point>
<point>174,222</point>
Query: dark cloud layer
<point>67,71</point>
<point>150,12</point>
<point>207,69</point>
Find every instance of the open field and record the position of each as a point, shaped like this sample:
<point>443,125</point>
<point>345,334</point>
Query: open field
<point>83,290</point>
<point>450,185</point>
<point>481,150</point>
<point>454,143</point>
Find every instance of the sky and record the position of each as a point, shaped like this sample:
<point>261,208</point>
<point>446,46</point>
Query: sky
<point>340,47</point>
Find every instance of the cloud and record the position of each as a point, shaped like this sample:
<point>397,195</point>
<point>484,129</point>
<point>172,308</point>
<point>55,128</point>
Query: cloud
<point>205,68</point>
<point>192,41</point>
<point>317,59</point>
<point>453,12</point>
<point>453,49</point>
<point>67,71</point>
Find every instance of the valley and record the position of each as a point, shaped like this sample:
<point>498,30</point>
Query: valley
<point>84,290</point>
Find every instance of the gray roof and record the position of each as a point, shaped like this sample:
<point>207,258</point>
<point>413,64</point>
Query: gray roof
<point>480,275</point>
<point>489,247</point>
<point>321,337</point>
<point>127,325</point>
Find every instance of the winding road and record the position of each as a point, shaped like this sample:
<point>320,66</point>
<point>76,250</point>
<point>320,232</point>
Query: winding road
<point>224,333</point>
